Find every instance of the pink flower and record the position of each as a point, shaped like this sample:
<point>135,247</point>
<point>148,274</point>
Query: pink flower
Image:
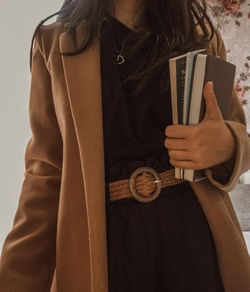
<point>240,90</point>
<point>231,6</point>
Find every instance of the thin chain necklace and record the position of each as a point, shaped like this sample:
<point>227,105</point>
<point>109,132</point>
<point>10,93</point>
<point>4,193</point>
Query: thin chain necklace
<point>120,57</point>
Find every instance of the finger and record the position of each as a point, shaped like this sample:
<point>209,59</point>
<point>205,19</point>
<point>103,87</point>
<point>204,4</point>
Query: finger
<point>185,164</point>
<point>179,155</point>
<point>172,143</point>
<point>212,107</point>
<point>179,131</point>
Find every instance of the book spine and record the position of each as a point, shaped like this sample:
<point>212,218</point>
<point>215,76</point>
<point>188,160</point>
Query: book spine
<point>174,99</point>
<point>196,107</point>
<point>181,94</point>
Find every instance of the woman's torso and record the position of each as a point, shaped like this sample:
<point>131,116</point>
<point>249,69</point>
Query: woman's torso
<point>165,245</point>
<point>133,130</point>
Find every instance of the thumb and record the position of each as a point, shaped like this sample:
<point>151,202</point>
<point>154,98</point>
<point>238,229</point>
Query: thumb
<point>212,108</point>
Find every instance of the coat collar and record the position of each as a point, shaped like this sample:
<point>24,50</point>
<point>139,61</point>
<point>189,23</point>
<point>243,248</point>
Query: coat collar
<point>83,81</point>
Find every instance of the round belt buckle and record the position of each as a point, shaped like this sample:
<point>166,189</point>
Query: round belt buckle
<point>142,197</point>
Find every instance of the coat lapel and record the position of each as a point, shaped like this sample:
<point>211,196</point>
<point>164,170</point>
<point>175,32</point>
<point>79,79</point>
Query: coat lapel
<point>83,80</point>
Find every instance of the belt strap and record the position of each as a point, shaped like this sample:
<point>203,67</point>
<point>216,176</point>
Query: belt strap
<point>144,184</point>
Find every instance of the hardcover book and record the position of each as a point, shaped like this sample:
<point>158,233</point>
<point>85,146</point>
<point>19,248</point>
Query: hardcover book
<point>188,75</point>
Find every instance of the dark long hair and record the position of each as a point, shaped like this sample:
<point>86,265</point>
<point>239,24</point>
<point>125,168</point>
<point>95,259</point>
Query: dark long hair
<point>169,26</point>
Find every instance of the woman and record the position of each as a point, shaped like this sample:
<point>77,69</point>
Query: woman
<point>84,97</point>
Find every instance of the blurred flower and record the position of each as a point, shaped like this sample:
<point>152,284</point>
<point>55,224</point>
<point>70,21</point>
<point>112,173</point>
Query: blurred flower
<point>231,6</point>
<point>240,90</point>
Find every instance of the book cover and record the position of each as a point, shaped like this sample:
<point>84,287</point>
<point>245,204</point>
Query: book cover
<point>222,73</point>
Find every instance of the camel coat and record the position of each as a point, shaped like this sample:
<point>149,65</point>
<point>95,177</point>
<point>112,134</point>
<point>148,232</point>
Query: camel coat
<point>58,239</point>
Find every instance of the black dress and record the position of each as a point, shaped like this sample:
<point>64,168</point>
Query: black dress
<point>165,245</point>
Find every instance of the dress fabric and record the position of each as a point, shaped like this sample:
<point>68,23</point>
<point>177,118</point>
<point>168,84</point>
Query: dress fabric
<point>165,245</point>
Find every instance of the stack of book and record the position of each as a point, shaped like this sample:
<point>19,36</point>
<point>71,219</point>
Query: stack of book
<point>188,75</point>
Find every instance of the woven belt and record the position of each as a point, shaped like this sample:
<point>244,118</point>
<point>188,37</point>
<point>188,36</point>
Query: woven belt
<point>142,182</point>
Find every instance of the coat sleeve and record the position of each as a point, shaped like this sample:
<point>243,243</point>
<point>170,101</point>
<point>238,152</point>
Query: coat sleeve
<point>225,175</point>
<point>28,254</point>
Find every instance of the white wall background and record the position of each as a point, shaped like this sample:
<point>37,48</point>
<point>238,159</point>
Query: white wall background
<point>18,20</point>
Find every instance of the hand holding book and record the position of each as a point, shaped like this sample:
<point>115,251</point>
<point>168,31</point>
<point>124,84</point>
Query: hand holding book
<point>199,137</point>
<point>203,145</point>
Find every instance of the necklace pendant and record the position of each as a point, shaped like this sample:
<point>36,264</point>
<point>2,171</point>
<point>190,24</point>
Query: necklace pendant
<point>120,59</point>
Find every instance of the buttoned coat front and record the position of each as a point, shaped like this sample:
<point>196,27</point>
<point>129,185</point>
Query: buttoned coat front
<point>58,240</point>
